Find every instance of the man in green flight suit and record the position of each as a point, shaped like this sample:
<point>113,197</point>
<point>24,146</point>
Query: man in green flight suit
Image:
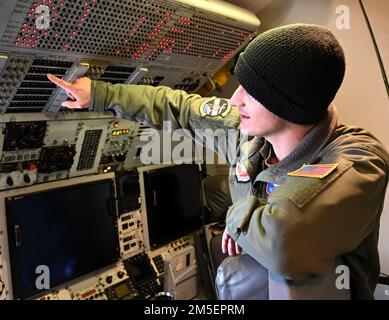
<point>307,191</point>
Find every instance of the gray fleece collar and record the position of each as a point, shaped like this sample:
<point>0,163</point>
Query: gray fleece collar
<point>316,139</point>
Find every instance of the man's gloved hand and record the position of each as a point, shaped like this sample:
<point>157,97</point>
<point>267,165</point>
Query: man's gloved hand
<point>229,245</point>
<point>79,91</point>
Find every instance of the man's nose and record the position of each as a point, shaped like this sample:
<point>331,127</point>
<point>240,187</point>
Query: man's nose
<point>236,99</point>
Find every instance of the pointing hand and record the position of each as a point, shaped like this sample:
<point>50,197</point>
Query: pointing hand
<point>79,91</point>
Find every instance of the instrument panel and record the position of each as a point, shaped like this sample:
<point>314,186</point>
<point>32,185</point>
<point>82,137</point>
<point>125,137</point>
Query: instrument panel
<point>161,42</point>
<point>174,43</point>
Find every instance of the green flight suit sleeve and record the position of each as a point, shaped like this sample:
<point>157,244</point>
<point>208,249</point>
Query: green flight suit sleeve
<point>307,222</point>
<point>155,105</point>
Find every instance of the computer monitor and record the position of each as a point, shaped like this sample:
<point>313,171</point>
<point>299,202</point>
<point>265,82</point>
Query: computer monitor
<point>173,202</point>
<point>70,230</point>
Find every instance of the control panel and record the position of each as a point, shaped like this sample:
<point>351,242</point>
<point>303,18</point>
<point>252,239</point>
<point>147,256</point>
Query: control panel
<point>138,274</point>
<point>40,151</point>
<point>175,43</point>
<point>139,277</point>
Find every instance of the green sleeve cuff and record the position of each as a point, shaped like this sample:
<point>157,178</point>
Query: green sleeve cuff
<point>98,96</point>
<point>239,215</point>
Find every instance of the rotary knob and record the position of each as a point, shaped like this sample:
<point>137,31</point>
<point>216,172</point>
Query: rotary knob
<point>26,178</point>
<point>10,181</point>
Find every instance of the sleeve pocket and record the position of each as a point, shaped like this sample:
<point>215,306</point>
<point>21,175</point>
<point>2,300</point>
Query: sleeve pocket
<point>301,190</point>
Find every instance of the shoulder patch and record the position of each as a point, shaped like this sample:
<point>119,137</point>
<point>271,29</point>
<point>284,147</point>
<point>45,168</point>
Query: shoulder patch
<point>241,172</point>
<point>300,190</point>
<point>270,187</point>
<point>314,170</point>
<point>214,107</point>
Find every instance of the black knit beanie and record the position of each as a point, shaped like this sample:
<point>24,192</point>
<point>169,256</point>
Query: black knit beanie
<point>294,71</point>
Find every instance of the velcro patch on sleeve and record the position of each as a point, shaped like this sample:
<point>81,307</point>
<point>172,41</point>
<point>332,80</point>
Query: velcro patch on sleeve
<point>215,107</point>
<point>301,190</point>
<point>319,171</point>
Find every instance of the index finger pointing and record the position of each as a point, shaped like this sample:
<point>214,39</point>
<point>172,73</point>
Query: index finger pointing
<point>59,82</point>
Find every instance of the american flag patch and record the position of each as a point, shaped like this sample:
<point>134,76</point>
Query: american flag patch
<point>314,170</point>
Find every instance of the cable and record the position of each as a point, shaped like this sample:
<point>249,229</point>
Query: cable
<point>375,47</point>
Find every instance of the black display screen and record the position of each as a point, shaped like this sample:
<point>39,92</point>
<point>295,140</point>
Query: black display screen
<point>72,231</point>
<point>173,202</point>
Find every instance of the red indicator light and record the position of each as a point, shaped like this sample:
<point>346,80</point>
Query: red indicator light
<point>87,294</point>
